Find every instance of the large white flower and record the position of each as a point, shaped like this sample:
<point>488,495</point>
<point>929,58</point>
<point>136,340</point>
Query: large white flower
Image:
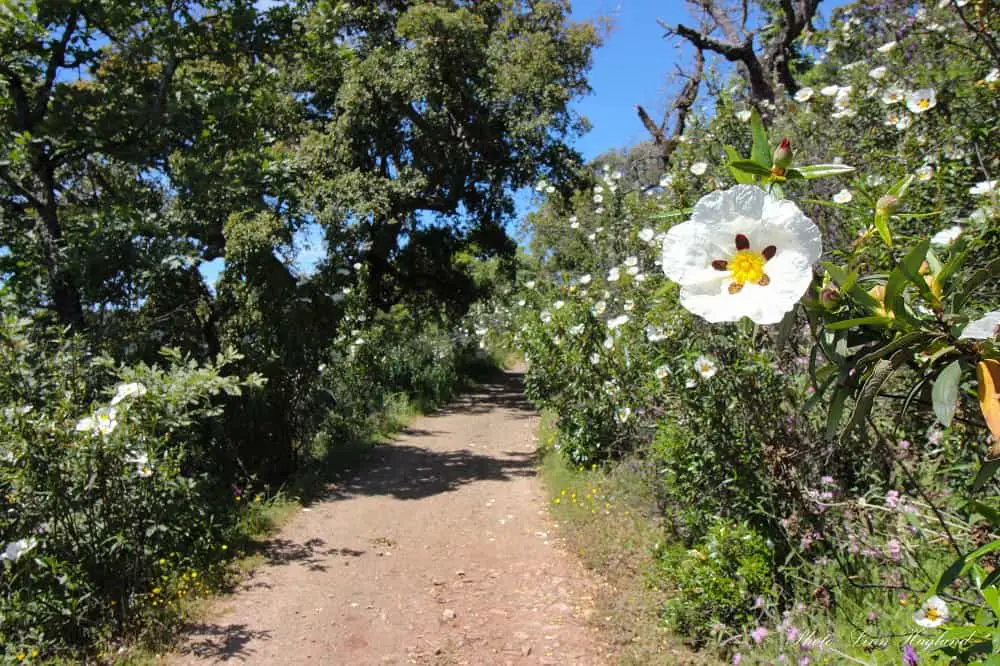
<point>984,328</point>
<point>893,95</point>
<point>705,367</point>
<point>103,422</point>
<point>617,321</point>
<point>844,196</point>
<point>803,94</point>
<point>984,188</point>
<point>130,390</point>
<point>921,100</point>
<point>15,549</point>
<point>743,253</point>
<point>946,237</point>
<point>932,614</point>
<point>141,463</point>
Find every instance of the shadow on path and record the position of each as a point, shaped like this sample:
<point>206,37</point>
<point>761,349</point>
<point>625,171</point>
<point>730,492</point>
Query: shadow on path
<point>223,642</point>
<point>407,470</point>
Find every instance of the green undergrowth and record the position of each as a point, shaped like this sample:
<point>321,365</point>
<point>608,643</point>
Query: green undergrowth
<point>609,519</point>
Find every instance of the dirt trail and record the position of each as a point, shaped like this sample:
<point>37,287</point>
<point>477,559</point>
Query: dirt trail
<point>439,551</point>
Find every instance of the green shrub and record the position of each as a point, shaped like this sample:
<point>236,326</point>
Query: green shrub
<point>720,580</point>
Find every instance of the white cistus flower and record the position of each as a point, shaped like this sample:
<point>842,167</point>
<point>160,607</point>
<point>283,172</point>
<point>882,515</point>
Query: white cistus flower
<point>103,422</point>
<point>947,236</point>
<point>699,168</point>
<point>15,549</point>
<point>984,328</point>
<point>615,322</point>
<point>803,94</point>
<point>984,188</point>
<point>921,100</point>
<point>705,367</point>
<point>843,196</point>
<point>743,253</point>
<point>129,390</point>
<point>932,614</point>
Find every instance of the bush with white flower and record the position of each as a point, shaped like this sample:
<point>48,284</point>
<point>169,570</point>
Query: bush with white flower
<point>107,495</point>
<point>805,308</point>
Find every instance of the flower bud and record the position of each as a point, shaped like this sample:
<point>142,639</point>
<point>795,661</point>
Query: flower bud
<point>886,204</point>
<point>782,155</point>
<point>829,298</point>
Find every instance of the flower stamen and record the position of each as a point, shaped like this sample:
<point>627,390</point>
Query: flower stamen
<point>747,266</point>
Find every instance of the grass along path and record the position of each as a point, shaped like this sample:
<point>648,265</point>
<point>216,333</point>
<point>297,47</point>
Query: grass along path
<point>439,551</point>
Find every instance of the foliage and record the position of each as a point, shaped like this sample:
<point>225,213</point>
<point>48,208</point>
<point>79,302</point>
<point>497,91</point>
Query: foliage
<point>719,580</point>
<point>162,168</point>
<point>857,435</point>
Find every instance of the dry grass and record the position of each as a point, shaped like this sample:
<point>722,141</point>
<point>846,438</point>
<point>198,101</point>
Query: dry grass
<point>609,520</point>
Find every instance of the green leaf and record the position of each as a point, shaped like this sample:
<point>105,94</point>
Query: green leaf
<point>761,151</point>
<point>908,270</point>
<point>849,282</point>
<point>901,186</point>
<point>880,374</point>
<point>976,554</point>
<point>945,393</point>
<point>975,507</point>
<point>836,412</point>
<point>986,473</point>
<point>980,277</point>
<point>882,226</point>
<point>823,170</point>
<point>950,267</point>
<point>751,167</point>
<point>909,340</point>
<point>742,177</point>
<point>883,322</point>
<point>949,575</point>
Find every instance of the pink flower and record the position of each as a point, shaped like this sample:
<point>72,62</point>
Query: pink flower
<point>892,499</point>
<point>759,634</point>
<point>895,550</point>
<point>792,634</point>
<point>904,443</point>
<point>737,658</point>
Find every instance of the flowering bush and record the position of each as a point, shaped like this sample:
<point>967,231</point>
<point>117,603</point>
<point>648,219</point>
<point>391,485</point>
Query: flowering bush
<point>105,495</point>
<point>855,428</point>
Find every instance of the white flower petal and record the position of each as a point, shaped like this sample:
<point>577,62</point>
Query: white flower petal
<point>984,328</point>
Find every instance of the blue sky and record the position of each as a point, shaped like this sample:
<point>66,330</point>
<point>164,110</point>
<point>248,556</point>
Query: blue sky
<point>632,67</point>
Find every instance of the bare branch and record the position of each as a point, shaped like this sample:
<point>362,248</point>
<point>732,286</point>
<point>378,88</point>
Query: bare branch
<point>681,106</point>
<point>761,89</point>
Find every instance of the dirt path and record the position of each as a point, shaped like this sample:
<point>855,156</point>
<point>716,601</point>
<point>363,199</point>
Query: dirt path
<point>439,551</point>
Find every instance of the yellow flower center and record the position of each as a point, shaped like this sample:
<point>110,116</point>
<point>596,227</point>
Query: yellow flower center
<point>933,614</point>
<point>747,266</point>
<point>923,103</point>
